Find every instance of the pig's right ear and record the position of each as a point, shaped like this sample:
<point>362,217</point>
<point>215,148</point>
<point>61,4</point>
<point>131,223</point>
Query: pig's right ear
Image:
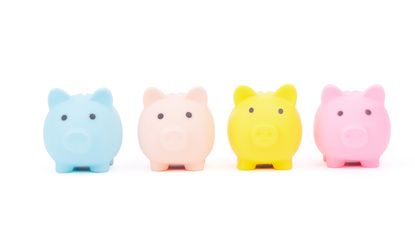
<point>330,92</point>
<point>242,93</point>
<point>376,92</point>
<point>57,96</point>
<point>152,95</point>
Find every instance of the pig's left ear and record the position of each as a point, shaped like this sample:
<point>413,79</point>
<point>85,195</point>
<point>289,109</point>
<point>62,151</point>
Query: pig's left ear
<point>57,96</point>
<point>102,96</point>
<point>152,95</point>
<point>330,92</point>
<point>376,92</point>
<point>197,94</point>
<point>242,93</point>
<point>287,92</point>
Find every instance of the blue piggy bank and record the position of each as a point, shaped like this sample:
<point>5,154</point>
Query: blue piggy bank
<point>82,131</point>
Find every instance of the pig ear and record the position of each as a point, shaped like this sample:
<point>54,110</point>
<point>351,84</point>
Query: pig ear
<point>57,96</point>
<point>197,94</point>
<point>242,93</point>
<point>102,96</point>
<point>330,92</point>
<point>287,92</point>
<point>376,92</point>
<point>152,95</point>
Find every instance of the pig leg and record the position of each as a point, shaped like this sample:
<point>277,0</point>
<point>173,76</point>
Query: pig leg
<point>246,165</point>
<point>62,168</point>
<point>283,165</point>
<point>100,168</point>
<point>370,163</point>
<point>195,166</point>
<point>335,163</point>
<point>159,166</point>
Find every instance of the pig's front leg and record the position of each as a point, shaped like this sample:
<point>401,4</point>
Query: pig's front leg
<point>370,163</point>
<point>334,163</point>
<point>195,166</point>
<point>100,168</point>
<point>155,166</point>
<point>246,165</point>
<point>63,168</point>
<point>283,165</point>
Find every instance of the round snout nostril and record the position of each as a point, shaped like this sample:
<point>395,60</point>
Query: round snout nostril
<point>174,139</point>
<point>77,142</point>
<point>264,135</point>
<point>354,137</point>
<point>265,131</point>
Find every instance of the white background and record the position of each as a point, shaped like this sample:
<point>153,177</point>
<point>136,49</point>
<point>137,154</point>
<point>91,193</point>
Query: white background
<point>174,45</point>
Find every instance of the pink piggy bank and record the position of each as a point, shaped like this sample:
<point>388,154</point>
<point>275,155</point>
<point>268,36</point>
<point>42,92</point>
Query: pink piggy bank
<point>352,127</point>
<point>176,129</point>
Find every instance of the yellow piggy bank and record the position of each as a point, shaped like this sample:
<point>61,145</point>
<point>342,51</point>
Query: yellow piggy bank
<point>265,128</point>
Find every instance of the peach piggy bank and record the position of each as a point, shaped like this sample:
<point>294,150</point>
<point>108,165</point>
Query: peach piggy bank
<point>352,127</point>
<point>176,129</point>
<point>265,128</point>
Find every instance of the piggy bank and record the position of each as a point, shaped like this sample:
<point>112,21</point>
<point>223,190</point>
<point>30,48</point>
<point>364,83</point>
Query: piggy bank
<point>176,129</point>
<point>265,128</point>
<point>352,127</point>
<point>82,131</point>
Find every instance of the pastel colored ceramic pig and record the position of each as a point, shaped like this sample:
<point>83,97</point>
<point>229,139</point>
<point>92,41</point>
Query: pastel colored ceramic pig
<point>176,129</point>
<point>265,128</point>
<point>82,131</point>
<point>352,127</point>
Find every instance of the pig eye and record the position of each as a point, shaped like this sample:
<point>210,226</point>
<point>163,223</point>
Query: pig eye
<point>92,116</point>
<point>160,116</point>
<point>368,112</point>
<point>280,111</point>
<point>64,117</point>
<point>251,109</point>
<point>189,115</point>
<point>340,113</point>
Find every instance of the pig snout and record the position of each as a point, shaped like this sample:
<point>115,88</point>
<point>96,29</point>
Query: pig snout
<point>264,135</point>
<point>77,141</point>
<point>354,137</point>
<point>174,139</point>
